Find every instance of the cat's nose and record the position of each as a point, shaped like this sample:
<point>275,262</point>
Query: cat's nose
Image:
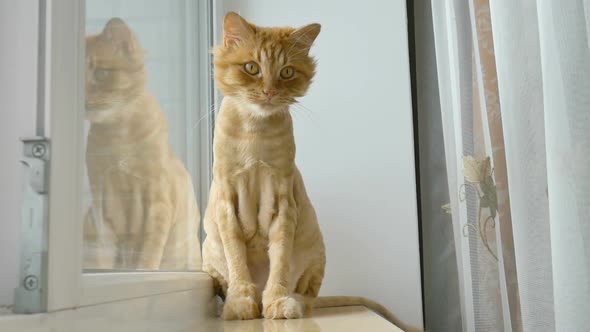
<point>269,93</point>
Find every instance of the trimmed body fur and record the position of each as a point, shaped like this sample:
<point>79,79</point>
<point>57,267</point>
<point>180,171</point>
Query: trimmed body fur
<point>262,231</point>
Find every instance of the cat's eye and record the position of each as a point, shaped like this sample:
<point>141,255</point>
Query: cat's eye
<point>287,72</point>
<point>101,74</point>
<point>252,68</point>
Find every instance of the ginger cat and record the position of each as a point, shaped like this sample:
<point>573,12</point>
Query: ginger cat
<point>144,214</point>
<point>264,247</point>
<point>261,228</point>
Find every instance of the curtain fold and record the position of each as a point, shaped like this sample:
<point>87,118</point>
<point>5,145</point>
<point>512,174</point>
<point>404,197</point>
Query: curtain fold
<point>517,53</point>
<point>441,284</point>
<point>487,83</point>
<point>446,62</point>
<point>566,93</point>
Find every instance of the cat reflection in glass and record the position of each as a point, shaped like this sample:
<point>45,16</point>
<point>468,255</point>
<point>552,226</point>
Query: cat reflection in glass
<point>144,214</point>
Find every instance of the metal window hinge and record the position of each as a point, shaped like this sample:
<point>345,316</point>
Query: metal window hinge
<point>31,295</point>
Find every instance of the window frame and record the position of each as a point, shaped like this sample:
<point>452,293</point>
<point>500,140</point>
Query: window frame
<point>67,286</point>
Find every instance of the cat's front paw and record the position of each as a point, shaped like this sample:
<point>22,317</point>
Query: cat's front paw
<point>240,308</point>
<point>241,303</point>
<point>278,303</point>
<point>283,307</point>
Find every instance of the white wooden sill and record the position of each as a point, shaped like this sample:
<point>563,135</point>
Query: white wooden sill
<point>128,302</point>
<point>100,288</point>
<point>174,302</point>
<point>340,319</point>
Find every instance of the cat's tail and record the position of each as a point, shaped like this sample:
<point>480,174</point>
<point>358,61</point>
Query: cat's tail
<point>344,301</point>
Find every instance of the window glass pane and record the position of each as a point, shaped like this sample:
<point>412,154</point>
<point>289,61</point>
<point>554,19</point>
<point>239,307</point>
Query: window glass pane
<point>142,149</point>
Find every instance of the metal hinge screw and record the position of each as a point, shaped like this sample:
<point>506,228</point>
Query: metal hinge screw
<point>31,282</point>
<point>38,150</point>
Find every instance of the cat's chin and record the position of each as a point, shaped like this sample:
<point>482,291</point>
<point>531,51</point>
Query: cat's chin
<point>266,109</point>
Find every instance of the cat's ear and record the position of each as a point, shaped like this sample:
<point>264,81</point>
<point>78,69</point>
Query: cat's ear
<point>304,37</point>
<point>235,29</point>
<point>117,32</point>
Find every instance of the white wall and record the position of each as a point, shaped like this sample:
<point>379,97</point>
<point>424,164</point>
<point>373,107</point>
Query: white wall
<point>18,77</point>
<point>355,145</point>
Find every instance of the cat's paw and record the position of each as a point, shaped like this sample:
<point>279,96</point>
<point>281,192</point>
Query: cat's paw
<point>241,307</point>
<point>241,303</point>
<point>283,307</point>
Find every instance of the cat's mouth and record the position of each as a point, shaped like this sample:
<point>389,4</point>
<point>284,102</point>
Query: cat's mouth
<point>264,105</point>
<point>261,102</point>
<point>270,103</point>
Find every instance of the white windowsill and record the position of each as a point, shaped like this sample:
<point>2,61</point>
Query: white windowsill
<point>339,319</point>
<point>174,302</point>
<point>108,287</point>
<point>128,302</point>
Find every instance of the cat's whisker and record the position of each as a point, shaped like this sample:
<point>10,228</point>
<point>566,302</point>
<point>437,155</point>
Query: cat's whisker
<point>304,112</point>
<point>304,108</point>
<point>296,115</point>
<point>210,111</point>
<point>300,110</point>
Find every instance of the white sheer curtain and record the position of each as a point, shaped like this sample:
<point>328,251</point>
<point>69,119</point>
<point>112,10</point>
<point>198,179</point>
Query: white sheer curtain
<point>565,58</point>
<point>518,64</point>
<point>514,83</point>
<point>447,64</point>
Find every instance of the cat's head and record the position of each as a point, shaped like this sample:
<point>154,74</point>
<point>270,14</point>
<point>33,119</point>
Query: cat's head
<point>264,68</point>
<point>114,71</point>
